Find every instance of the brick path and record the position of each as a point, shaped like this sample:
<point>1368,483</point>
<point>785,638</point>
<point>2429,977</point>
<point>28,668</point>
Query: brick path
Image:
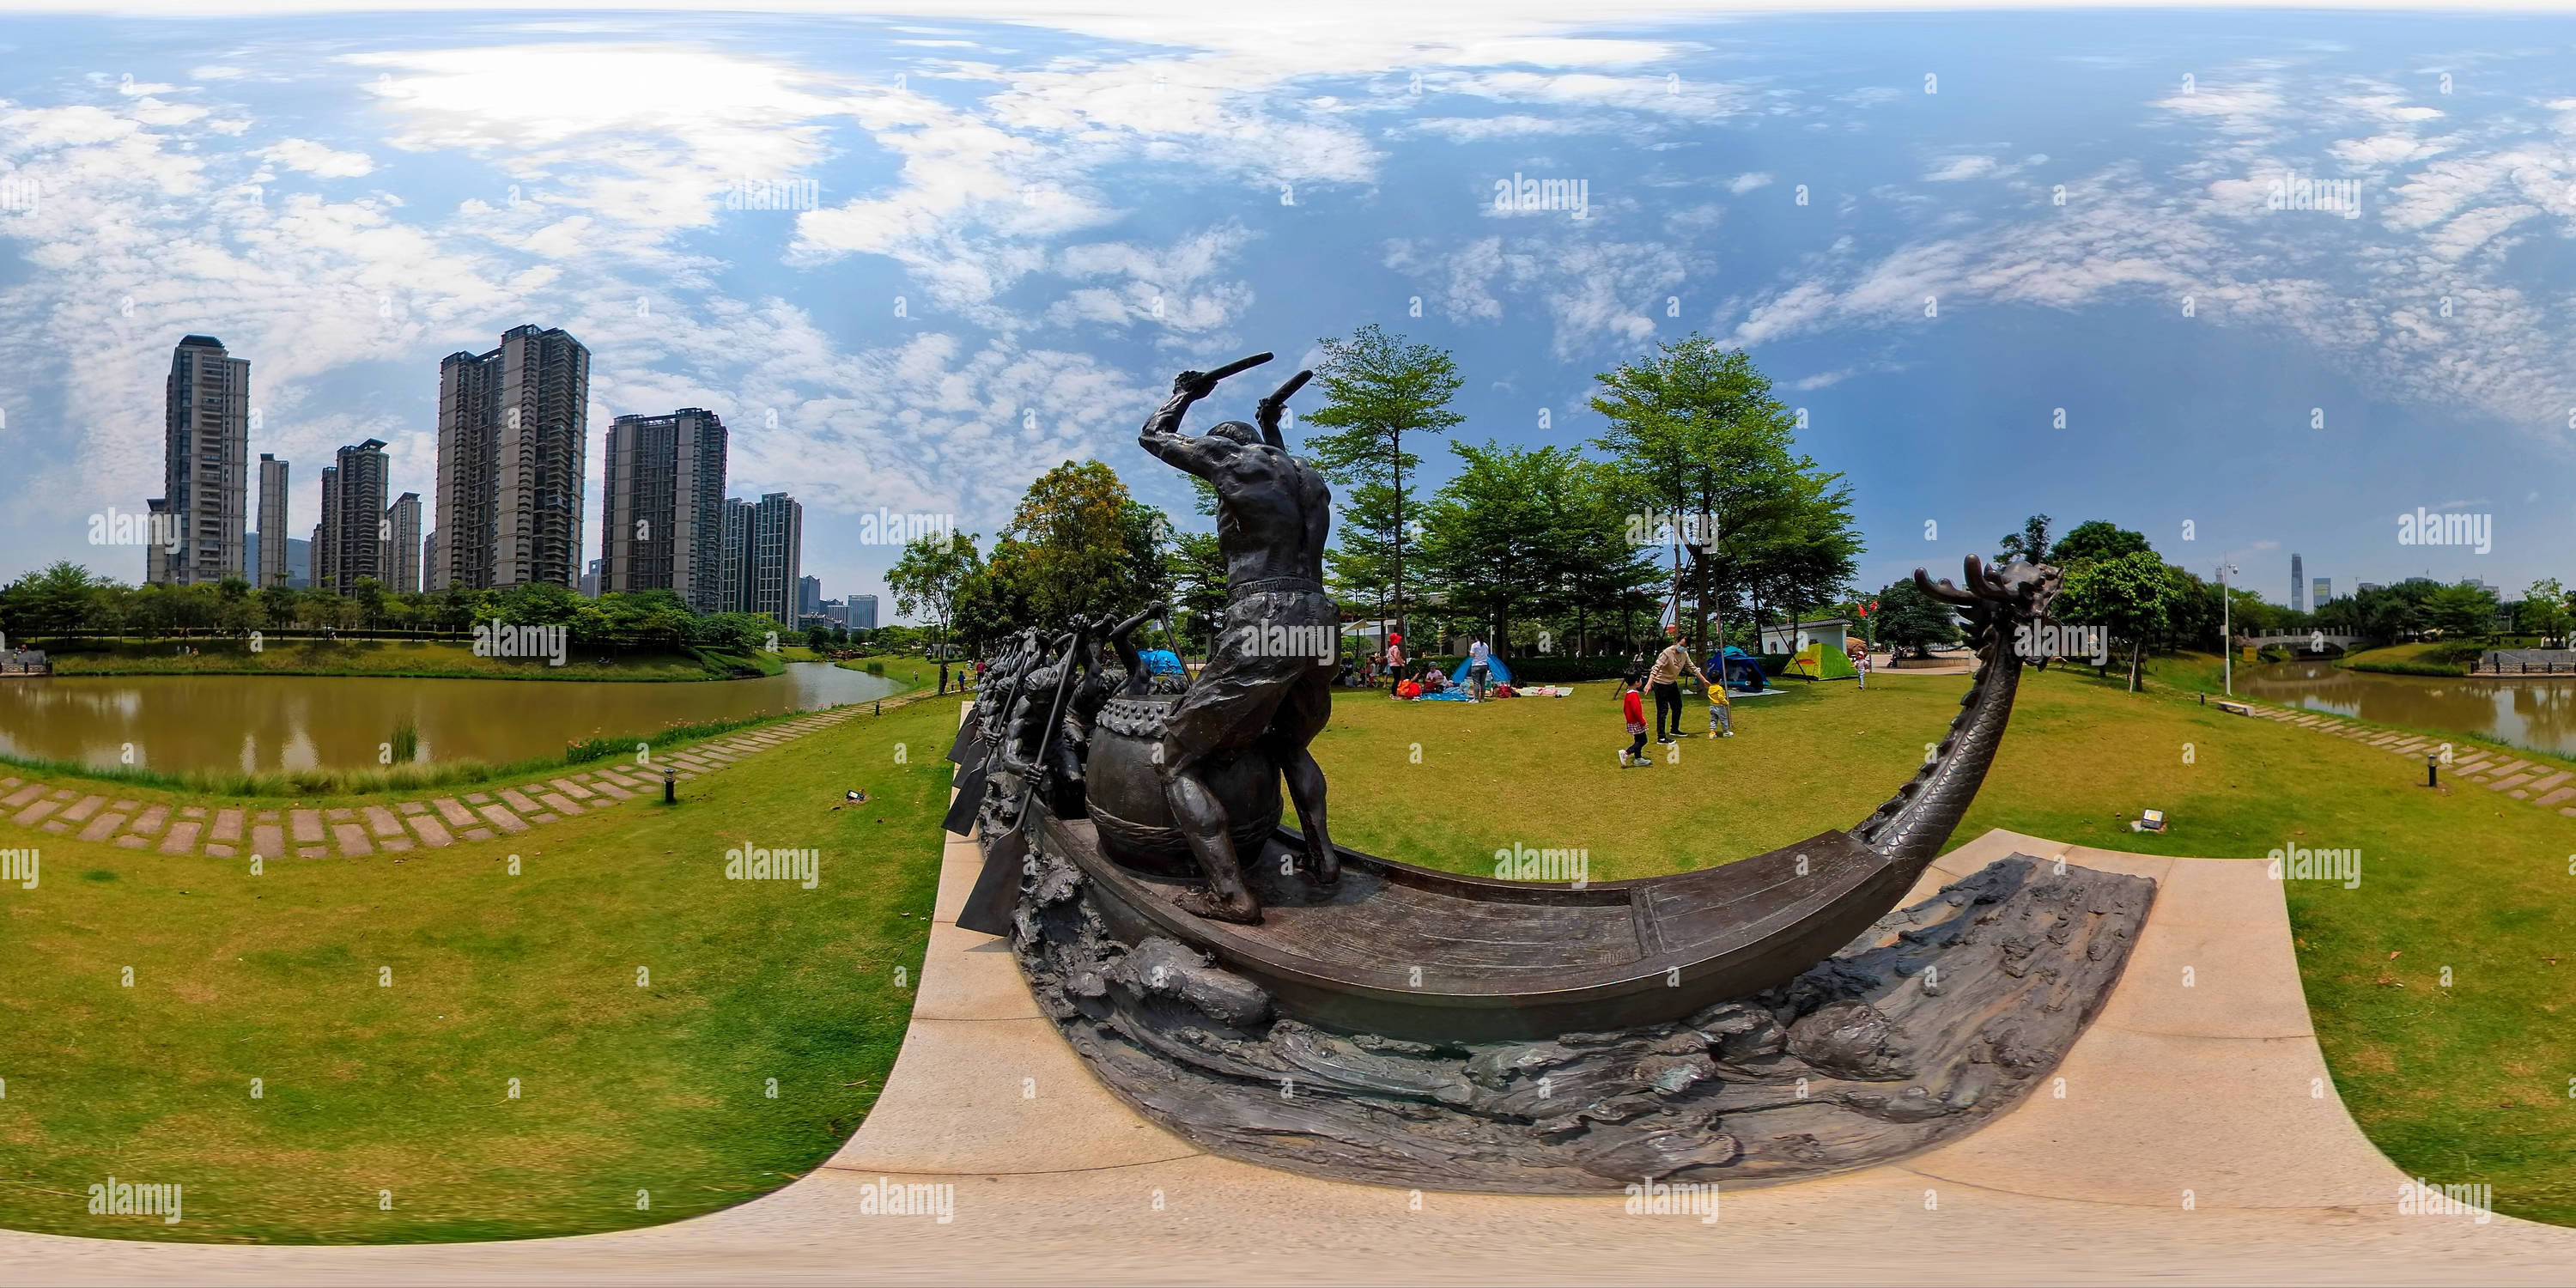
<point>218,828</point>
<point>2539,782</point>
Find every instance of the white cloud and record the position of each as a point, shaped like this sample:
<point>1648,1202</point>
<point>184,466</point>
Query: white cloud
<point>1744,183</point>
<point>1962,167</point>
<point>318,159</point>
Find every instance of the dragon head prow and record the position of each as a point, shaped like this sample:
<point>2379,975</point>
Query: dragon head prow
<point>2018,592</point>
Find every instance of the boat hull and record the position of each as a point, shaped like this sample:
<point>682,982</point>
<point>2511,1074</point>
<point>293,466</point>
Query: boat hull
<point>1412,953</point>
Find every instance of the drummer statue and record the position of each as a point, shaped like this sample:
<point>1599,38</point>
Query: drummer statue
<point>1268,687</point>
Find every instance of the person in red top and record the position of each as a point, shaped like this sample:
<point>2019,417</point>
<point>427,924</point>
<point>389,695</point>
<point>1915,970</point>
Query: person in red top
<point>1634,707</point>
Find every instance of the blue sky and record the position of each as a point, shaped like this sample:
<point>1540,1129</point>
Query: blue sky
<point>1072,208</point>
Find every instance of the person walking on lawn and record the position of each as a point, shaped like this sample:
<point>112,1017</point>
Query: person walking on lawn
<point>1666,680</point>
<point>1634,707</point>
<point>1480,666</point>
<point>1721,713</point>
<point>1395,658</point>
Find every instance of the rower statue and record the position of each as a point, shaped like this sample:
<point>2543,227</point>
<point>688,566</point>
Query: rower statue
<point>1267,687</point>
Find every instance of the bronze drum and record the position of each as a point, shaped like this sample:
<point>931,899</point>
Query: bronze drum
<point>1125,798</point>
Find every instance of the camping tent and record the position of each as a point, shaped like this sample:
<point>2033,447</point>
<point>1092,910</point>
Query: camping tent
<point>1822,660</point>
<point>1743,674</point>
<point>1502,673</point>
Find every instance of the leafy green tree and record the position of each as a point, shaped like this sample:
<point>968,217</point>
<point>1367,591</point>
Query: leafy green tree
<point>1195,570</point>
<point>1378,388</point>
<point>2130,594</point>
<point>2460,612</point>
<point>2031,543</point>
<point>1487,538</point>
<point>2543,611</point>
<point>928,576</point>
<point>2096,539</point>
<point>1909,620</point>
<point>59,598</point>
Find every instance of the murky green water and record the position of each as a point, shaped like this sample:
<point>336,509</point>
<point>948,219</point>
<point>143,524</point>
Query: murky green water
<point>2538,713</point>
<point>252,723</point>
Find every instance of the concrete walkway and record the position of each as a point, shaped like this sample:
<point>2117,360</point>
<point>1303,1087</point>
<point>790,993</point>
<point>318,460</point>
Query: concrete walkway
<point>2199,1140</point>
<point>225,828</point>
<point>2515,778</point>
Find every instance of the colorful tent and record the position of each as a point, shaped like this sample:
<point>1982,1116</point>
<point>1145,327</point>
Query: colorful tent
<point>1821,660</point>
<point>1501,674</point>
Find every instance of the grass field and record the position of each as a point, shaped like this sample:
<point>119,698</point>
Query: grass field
<point>2469,1082</point>
<point>428,659</point>
<point>660,1088</point>
<point>405,1088</point>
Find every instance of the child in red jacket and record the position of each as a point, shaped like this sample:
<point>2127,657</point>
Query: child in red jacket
<point>1634,708</point>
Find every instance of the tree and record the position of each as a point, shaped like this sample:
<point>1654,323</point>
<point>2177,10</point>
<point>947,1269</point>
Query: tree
<point>2543,611</point>
<point>60,598</point>
<point>2096,539</point>
<point>1485,535</point>
<point>2131,595</point>
<point>1077,544</point>
<point>1910,620</point>
<point>2031,543</point>
<point>1195,569</point>
<point>927,577</point>
<point>1377,389</point>
<point>2460,612</point>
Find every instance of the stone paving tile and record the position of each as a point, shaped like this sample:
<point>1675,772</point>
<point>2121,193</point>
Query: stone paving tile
<point>503,819</point>
<point>35,813</point>
<point>412,807</point>
<point>56,826</point>
<point>268,816</point>
<point>455,814</point>
<point>478,834</point>
<point>81,811</point>
<point>382,822</point>
<point>2502,783</point>
<point>613,790</point>
<point>150,820</point>
<point>2519,794</point>
<point>11,782</point>
<point>228,825</point>
<point>24,794</point>
<point>308,825</point>
<point>64,794</point>
<point>268,838</point>
<point>182,838</point>
<point>478,798</point>
<point>542,817</point>
<point>342,815</point>
<point>556,802</point>
<point>573,789</point>
<point>517,800</point>
<point>193,811</point>
<point>219,851</point>
<point>353,839</point>
<point>431,830</point>
<point>397,842</point>
<point>2553,780</point>
<point>313,852</point>
<point>132,842</point>
<point>102,827</point>
<point>2561,794</point>
<point>127,806</point>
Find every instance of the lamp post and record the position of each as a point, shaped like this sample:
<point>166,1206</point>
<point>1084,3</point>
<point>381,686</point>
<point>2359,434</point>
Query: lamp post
<point>2226,631</point>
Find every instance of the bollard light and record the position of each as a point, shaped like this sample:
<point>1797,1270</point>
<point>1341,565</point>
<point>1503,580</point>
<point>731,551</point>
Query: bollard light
<point>2432,769</point>
<point>670,786</point>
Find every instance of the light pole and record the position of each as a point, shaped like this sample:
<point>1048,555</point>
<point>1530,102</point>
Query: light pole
<point>2226,631</point>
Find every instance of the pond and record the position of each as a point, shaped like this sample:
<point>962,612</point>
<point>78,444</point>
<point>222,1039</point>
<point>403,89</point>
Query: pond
<point>2538,713</point>
<point>257,723</point>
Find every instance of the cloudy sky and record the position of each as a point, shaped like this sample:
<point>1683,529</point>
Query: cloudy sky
<point>2006,262</point>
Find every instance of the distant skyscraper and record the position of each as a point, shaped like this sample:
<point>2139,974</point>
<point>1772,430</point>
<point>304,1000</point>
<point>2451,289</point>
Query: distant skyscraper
<point>2298,585</point>
<point>205,464</point>
<point>777,555</point>
<point>351,546</point>
<point>2324,593</point>
<point>2366,587</point>
<point>663,504</point>
<point>862,612</point>
<point>590,581</point>
<point>733,574</point>
<point>511,447</point>
<point>272,522</point>
<point>402,546</point>
<point>809,595</point>
<point>299,563</point>
<point>429,563</point>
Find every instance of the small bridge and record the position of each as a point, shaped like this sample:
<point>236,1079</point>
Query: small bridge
<point>2317,641</point>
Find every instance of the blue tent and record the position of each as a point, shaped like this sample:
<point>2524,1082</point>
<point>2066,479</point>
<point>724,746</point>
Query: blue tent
<point>1742,671</point>
<point>1502,673</point>
<point>1160,661</point>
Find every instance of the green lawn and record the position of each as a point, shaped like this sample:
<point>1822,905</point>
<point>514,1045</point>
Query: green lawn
<point>2468,1082</point>
<point>661,1088</point>
<point>431,659</point>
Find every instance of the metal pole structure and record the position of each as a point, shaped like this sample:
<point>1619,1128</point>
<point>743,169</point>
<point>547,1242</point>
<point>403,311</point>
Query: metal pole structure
<point>2226,630</point>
